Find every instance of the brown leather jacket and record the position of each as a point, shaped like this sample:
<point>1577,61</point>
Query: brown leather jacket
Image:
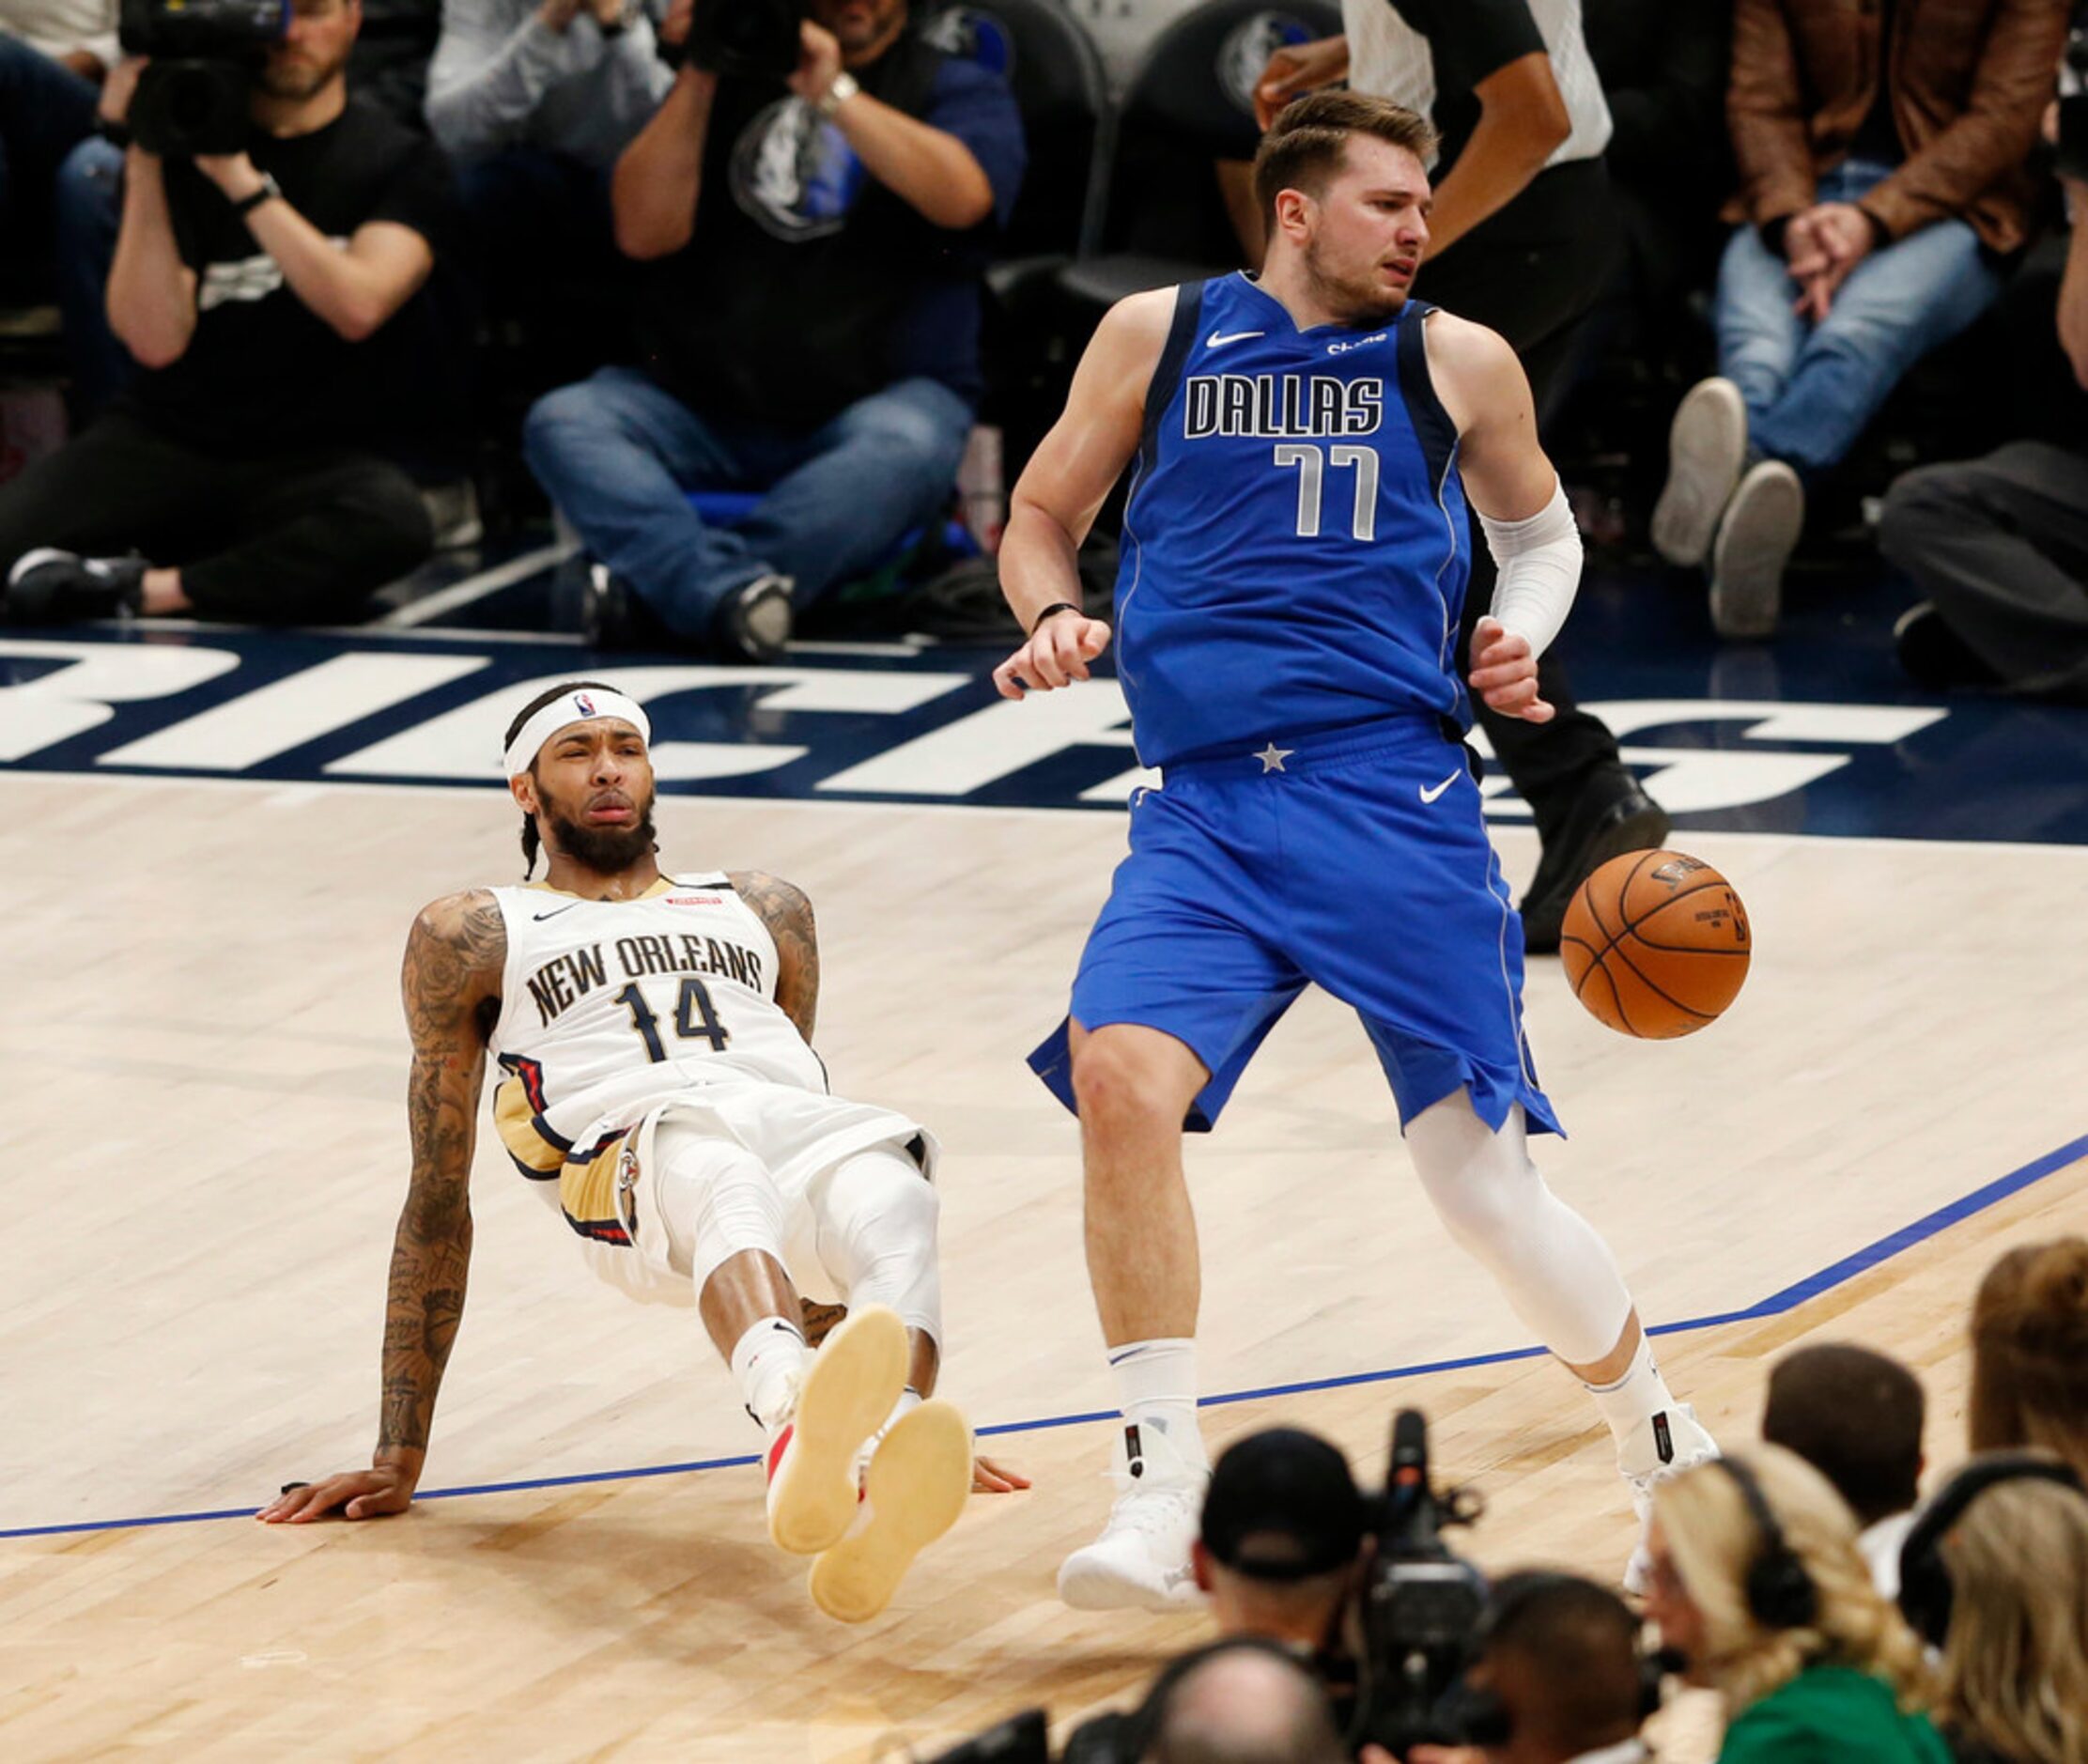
<point>1970,82</point>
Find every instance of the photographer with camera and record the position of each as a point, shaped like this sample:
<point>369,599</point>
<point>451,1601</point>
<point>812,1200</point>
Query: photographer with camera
<point>1997,548</point>
<point>1279,1550</point>
<point>265,247</point>
<point>812,205</point>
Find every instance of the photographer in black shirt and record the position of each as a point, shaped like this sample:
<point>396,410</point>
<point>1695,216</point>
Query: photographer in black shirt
<point>241,477</point>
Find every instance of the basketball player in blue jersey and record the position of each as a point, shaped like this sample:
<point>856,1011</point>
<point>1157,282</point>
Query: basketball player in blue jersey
<point>659,1091</point>
<point>1294,560</point>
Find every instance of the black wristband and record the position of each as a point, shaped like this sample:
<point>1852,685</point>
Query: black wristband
<point>116,133</point>
<point>1056,608</point>
<point>268,190</point>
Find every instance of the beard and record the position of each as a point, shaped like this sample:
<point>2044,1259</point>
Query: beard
<point>1355,300</point>
<point>605,850</point>
<point>296,81</point>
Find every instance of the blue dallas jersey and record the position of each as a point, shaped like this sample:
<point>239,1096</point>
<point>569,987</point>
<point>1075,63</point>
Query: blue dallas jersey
<point>1295,545</point>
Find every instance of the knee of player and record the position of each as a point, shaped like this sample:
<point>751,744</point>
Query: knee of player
<point>1115,1086</point>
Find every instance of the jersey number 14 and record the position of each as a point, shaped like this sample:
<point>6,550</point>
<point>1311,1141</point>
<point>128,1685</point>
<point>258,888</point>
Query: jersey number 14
<point>1312,463</point>
<point>695,1017</point>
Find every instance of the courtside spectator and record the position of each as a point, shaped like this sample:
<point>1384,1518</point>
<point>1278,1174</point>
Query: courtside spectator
<point>1758,1587</point>
<point>53,56</point>
<point>533,100</point>
<point>1856,1417</point>
<point>1882,153</point>
<point>1998,547</point>
<point>1281,1538</point>
<point>2015,1667</point>
<point>2030,1353</point>
<point>810,321</point>
<point>258,290</point>
<point>1243,1705</point>
<point>1557,1678</point>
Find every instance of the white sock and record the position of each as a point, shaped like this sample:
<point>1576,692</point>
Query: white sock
<point>768,1362</point>
<point>1156,1388</point>
<point>1642,1392</point>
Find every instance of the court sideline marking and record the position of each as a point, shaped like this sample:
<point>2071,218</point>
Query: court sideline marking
<point>1787,1298</point>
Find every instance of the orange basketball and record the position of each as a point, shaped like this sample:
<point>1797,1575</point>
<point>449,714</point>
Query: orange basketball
<point>1656,943</point>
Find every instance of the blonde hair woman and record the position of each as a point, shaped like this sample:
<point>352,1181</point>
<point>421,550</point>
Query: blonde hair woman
<point>1758,1585</point>
<point>2016,1662</point>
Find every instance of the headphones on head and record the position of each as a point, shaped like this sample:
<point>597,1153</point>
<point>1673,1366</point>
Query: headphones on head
<point>1480,1714</point>
<point>1924,1588</point>
<point>1781,1595</point>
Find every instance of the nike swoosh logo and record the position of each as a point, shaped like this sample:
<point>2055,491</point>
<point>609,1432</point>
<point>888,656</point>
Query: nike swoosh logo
<point>1429,796</point>
<point>555,911</point>
<point>1217,340</point>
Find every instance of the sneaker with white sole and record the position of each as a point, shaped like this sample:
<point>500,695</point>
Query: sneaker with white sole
<point>48,586</point>
<point>1707,451</point>
<point>753,623</point>
<point>1665,1443</point>
<point>918,1479</point>
<point>1141,1560</point>
<point>848,1391</point>
<point>1752,549</point>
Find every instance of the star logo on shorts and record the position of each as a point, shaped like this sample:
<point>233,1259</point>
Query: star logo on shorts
<point>1272,758</point>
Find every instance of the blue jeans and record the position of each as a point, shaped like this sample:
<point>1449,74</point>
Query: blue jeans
<point>1811,389</point>
<point>88,211</point>
<point>619,452</point>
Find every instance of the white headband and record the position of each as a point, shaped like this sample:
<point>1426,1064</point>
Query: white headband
<point>582,704</point>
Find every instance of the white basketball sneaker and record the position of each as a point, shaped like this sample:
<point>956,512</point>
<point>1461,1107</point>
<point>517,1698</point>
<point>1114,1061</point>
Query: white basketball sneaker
<point>1665,1443</point>
<point>1141,1560</point>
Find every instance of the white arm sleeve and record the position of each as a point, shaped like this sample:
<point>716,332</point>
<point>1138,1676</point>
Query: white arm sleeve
<point>1539,564</point>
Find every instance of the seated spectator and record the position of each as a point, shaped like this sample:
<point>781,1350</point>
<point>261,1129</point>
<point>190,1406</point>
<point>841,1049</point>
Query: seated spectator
<point>2030,1353</point>
<point>1998,548</point>
<point>1238,1703</point>
<point>1758,1587</point>
<point>1281,1538</point>
<point>53,56</point>
<point>1882,156</point>
<point>2015,1663</point>
<point>1558,1679</point>
<point>1856,1417</point>
<point>256,290</point>
<point>533,100</point>
<point>810,328</point>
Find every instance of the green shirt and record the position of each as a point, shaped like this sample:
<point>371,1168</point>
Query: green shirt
<point>1831,1716</point>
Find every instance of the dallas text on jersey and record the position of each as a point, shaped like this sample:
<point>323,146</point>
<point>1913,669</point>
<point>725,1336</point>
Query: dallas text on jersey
<point>1280,405</point>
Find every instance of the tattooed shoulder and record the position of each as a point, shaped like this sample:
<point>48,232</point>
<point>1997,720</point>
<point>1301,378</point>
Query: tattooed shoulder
<point>787,911</point>
<point>454,958</point>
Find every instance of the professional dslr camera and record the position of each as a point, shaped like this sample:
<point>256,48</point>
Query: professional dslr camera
<point>744,39</point>
<point>193,99</point>
<point>1417,1616</point>
<point>2073,100</point>
<point>1421,1607</point>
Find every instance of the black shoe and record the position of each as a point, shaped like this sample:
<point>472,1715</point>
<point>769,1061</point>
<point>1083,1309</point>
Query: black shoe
<point>1935,657</point>
<point>50,587</point>
<point>1611,816</point>
<point>754,623</point>
<point>613,617</point>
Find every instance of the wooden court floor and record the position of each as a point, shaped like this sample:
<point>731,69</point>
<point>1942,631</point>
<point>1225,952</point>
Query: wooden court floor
<point>204,1078</point>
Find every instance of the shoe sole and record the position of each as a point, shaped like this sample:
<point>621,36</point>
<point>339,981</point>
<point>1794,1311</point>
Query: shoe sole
<point>849,1390</point>
<point>1707,446</point>
<point>1755,544</point>
<point>1094,1587</point>
<point>918,1484</point>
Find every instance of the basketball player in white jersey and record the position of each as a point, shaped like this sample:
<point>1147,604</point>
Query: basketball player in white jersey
<point>658,1087</point>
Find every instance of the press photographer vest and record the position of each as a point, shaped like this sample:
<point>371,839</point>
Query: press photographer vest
<point>782,307</point>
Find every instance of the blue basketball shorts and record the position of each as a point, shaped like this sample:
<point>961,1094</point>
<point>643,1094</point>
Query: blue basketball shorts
<point>1355,860</point>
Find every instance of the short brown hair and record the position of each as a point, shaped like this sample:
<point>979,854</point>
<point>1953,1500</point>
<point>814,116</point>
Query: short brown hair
<point>1309,141</point>
<point>2029,1351</point>
<point>1856,1417</point>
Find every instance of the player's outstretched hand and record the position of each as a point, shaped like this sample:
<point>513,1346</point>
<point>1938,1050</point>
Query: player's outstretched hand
<point>1504,673</point>
<point>988,1477</point>
<point>384,1488</point>
<point>1057,654</point>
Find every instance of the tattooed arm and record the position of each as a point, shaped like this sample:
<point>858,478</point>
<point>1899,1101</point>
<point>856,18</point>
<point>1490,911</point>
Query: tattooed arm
<point>451,983</point>
<point>788,915</point>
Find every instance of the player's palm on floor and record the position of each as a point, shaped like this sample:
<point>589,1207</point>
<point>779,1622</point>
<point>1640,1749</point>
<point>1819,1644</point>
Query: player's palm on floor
<point>355,1494</point>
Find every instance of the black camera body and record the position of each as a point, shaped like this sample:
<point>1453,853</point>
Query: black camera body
<point>746,39</point>
<point>193,99</point>
<point>1422,1606</point>
<point>2073,100</point>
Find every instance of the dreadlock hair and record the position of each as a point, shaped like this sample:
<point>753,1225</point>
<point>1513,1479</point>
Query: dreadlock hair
<point>531,840</point>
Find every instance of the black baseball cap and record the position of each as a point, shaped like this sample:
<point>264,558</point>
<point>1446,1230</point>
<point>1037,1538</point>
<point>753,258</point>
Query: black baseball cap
<point>1282,1505</point>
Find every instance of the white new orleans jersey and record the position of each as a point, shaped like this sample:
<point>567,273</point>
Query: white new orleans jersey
<point>613,1011</point>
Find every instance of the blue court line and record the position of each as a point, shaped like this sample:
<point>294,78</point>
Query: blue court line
<point>1788,1298</point>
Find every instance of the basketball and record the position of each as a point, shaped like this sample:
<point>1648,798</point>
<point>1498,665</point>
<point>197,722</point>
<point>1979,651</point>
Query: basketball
<point>1656,943</point>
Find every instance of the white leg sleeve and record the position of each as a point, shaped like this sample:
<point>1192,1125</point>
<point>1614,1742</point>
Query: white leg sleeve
<point>719,1201</point>
<point>876,1217</point>
<point>1553,1269</point>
